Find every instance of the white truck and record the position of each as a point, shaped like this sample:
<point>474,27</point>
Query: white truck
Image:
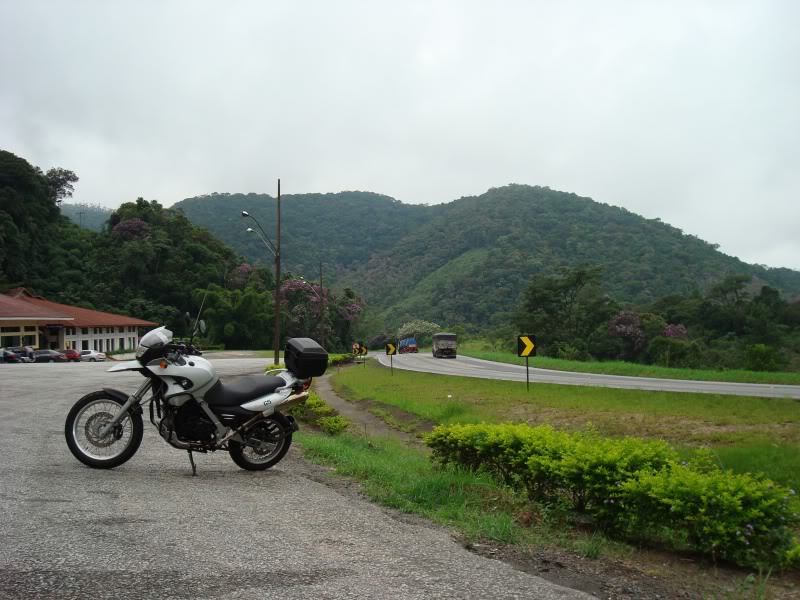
<point>444,345</point>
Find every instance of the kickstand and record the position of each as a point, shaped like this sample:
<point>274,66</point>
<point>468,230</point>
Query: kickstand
<point>191,460</point>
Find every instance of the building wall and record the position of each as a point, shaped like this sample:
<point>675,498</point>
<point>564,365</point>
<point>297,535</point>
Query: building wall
<point>102,339</point>
<point>19,333</point>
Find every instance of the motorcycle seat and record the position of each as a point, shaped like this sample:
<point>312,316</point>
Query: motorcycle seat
<point>244,389</point>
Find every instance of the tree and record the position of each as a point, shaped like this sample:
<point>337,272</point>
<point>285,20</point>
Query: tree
<point>421,330</point>
<point>60,184</point>
<point>565,308</point>
<point>627,326</point>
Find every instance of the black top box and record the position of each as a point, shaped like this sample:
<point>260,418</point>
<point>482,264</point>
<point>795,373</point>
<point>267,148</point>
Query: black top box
<point>305,358</point>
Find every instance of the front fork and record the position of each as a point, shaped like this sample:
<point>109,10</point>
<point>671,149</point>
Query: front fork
<point>133,399</point>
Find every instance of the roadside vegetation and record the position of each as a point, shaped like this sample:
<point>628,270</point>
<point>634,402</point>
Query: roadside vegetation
<point>484,512</point>
<point>477,505</point>
<point>317,413</point>
<point>596,472</point>
<point>747,435</point>
<point>485,351</point>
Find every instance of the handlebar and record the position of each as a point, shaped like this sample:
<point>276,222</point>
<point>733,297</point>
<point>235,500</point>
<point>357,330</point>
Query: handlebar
<point>184,348</point>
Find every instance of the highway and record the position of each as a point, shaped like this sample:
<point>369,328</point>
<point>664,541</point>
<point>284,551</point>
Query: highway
<point>464,366</point>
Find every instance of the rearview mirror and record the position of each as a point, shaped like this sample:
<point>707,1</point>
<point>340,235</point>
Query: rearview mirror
<point>202,326</point>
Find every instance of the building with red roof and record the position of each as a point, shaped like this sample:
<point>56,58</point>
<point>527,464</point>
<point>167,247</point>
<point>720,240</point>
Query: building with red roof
<point>53,325</point>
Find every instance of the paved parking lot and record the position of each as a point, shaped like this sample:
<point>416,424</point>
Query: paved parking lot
<point>149,530</point>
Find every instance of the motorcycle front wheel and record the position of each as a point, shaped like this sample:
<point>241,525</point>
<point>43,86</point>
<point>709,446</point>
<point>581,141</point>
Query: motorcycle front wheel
<point>267,443</point>
<point>84,422</point>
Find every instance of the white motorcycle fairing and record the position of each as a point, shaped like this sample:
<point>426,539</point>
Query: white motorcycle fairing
<point>128,365</point>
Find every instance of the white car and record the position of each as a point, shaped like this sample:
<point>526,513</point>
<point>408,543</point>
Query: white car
<point>92,356</point>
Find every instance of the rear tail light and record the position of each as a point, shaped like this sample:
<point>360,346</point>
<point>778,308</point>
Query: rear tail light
<point>307,384</point>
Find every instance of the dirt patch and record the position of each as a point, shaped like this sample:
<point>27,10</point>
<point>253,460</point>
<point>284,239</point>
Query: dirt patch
<point>648,575</point>
<point>362,421</point>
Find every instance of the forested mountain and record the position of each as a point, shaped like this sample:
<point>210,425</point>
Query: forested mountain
<point>152,262</point>
<point>91,216</point>
<point>468,261</point>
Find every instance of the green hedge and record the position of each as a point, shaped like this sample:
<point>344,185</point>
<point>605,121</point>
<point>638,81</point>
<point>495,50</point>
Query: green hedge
<point>634,488</point>
<point>339,359</point>
<point>315,411</point>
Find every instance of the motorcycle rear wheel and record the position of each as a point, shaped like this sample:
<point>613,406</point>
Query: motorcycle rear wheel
<point>260,459</point>
<point>84,421</point>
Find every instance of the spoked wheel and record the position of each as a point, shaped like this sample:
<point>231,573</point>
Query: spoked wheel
<point>267,442</point>
<point>82,430</point>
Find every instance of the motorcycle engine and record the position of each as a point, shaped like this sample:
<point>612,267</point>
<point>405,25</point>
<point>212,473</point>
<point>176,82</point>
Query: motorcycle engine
<point>191,424</point>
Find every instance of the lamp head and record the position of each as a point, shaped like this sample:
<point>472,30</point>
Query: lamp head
<point>249,230</point>
<point>245,214</point>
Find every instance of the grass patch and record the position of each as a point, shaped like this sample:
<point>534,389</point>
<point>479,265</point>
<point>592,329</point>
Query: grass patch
<point>477,350</point>
<point>734,426</point>
<point>780,462</point>
<point>474,504</point>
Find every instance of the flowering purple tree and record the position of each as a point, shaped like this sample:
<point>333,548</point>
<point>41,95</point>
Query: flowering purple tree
<point>240,275</point>
<point>675,331</point>
<point>131,229</point>
<point>627,326</point>
<point>350,312</point>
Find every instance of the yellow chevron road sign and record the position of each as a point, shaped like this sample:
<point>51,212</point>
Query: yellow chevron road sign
<point>526,345</point>
<point>391,349</point>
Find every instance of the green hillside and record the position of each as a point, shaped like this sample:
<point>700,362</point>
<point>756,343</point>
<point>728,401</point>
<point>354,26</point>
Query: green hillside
<point>90,216</point>
<point>469,260</point>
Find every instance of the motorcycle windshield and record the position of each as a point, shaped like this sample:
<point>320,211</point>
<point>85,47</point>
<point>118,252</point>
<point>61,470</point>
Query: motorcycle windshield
<point>153,339</point>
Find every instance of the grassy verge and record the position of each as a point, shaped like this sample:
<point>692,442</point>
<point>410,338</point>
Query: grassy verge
<point>747,434</point>
<point>476,350</point>
<point>474,504</point>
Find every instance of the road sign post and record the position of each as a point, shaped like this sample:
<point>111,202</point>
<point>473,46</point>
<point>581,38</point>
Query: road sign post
<point>526,346</point>
<point>391,350</point>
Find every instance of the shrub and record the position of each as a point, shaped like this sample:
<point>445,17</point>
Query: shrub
<point>674,352</point>
<point>500,449</point>
<point>593,469</point>
<point>760,357</point>
<point>311,410</point>
<point>316,412</point>
<point>333,425</point>
<point>633,487</point>
<point>740,518</point>
<point>339,359</point>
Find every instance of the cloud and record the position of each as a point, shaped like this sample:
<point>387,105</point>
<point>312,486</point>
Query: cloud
<point>684,111</point>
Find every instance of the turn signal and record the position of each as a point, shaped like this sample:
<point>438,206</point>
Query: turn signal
<point>163,364</point>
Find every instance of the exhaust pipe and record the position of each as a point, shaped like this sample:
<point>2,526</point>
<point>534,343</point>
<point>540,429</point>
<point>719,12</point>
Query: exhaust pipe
<point>289,401</point>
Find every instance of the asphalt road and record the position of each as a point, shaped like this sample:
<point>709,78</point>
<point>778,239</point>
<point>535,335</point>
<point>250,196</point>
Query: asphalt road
<point>148,529</point>
<point>474,367</point>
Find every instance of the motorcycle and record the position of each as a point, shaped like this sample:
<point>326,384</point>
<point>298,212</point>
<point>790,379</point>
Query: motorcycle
<point>192,408</point>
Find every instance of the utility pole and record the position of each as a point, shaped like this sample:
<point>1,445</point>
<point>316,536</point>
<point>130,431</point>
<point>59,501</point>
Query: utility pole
<point>277,341</point>
<point>321,309</point>
<point>80,218</point>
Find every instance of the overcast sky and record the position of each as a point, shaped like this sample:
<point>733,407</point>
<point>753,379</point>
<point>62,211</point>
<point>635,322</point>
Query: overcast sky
<point>687,111</point>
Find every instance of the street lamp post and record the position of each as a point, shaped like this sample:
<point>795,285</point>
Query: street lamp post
<point>321,304</point>
<point>276,251</point>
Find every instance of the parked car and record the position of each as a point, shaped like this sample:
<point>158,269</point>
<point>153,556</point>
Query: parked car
<point>6,356</point>
<point>48,356</point>
<point>71,354</point>
<point>92,356</point>
<point>25,353</point>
